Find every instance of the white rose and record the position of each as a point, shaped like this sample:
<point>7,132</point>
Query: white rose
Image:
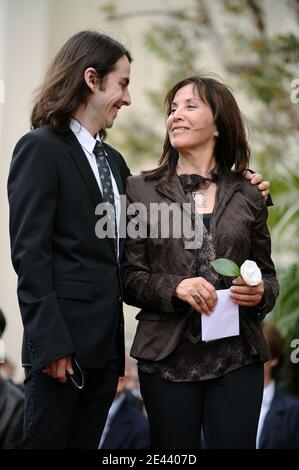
<point>251,273</point>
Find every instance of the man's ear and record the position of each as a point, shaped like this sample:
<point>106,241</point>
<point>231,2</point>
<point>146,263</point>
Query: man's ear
<point>91,78</point>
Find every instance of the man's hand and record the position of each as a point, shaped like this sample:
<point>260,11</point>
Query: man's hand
<point>257,178</point>
<point>246,296</point>
<point>59,368</point>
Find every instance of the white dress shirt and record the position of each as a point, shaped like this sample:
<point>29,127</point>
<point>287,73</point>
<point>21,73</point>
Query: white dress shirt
<point>87,142</point>
<point>268,395</point>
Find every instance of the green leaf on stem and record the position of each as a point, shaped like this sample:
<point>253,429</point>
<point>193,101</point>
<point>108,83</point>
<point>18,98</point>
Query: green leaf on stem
<point>226,267</point>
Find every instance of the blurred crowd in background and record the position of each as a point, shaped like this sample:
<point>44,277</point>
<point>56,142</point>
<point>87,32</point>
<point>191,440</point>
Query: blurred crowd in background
<point>127,425</point>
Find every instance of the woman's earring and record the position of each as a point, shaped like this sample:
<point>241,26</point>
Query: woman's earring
<point>216,134</point>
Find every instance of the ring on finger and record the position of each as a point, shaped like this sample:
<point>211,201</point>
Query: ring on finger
<point>197,298</point>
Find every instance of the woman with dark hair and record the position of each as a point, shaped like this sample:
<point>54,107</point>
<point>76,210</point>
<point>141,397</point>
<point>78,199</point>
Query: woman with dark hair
<point>69,285</point>
<point>186,382</point>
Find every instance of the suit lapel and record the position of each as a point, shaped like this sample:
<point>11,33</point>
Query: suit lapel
<point>273,420</point>
<point>115,170</point>
<point>172,189</point>
<point>227,186</point>
<point>83,166</point>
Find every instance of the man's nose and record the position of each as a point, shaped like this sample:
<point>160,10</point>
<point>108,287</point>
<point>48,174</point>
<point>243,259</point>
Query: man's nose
<point>127,98</point>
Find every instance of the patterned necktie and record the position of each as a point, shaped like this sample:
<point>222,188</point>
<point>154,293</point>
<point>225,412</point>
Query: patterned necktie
<point>104,172</point>
<point>105,177</point>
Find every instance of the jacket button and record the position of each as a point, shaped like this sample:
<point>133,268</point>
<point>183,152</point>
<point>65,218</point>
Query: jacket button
<point>120,299</point>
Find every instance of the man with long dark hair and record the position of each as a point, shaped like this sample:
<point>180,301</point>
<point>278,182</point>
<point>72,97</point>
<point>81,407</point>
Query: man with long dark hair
<point>69,286</point>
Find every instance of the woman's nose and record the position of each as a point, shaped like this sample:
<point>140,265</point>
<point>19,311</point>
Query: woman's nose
<point>177,114</point>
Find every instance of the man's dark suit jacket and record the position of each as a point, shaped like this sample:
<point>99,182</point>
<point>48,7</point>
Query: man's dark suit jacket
<point>129,429</point>
<point>281,425</point>
<point>69,285</point>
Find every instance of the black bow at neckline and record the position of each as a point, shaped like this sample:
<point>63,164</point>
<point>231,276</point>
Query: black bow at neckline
<point>195,182</point>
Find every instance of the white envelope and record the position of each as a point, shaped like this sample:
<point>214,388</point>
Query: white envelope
<point>223,321</point>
